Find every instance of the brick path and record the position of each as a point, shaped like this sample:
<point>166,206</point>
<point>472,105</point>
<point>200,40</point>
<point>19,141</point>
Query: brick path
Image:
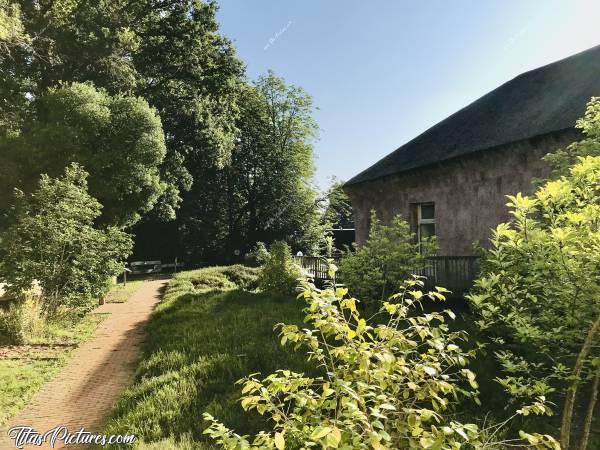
<point>84,391</point>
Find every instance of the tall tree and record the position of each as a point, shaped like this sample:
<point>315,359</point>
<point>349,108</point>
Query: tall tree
<point>265,193</point>
<point>118,139</point>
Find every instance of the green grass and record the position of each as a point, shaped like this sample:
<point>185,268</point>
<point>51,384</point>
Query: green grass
<point>120,293</point>
<point>206,334</point>
<point>19,380</point>
<point>25,369</point>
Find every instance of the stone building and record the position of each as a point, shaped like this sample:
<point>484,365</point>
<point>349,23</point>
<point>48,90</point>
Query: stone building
<point>452,179</point>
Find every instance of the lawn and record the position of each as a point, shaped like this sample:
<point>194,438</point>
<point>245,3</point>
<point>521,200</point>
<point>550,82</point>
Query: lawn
<point>210,330</point>
<point>25,368</point>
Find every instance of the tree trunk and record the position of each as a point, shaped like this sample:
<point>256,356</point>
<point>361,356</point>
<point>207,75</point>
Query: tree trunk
<point>590,412</point>
<point>567,419</point>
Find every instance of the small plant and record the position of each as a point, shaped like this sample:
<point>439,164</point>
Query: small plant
<point>24,320</point>
<point>389,386</point>
<point>258,256</point>
<point>389,256</point>
<point>280,274</point>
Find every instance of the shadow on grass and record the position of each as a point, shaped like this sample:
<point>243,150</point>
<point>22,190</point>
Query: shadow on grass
<point>198,345</point>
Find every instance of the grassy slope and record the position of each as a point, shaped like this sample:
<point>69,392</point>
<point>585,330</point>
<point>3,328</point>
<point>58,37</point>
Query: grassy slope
<point>24,370</point>
<point>206,334</point>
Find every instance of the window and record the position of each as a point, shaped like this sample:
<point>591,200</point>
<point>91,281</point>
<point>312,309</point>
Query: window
<point>425,220</point>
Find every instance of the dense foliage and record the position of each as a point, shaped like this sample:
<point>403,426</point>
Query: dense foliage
<point>167,52</point>
<point>390,254</point>
<point>540,294</point>
<point>118,140</point>
<point>387,386</point>
<point>338,210</point>
<point>244,149</point>
<point>264,193</point>
<point>562,160</point>
<point>53,241</point>
<point>257,256</point>
<point>280,275</point>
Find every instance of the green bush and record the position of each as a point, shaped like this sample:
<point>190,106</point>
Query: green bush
<point>538,296</point>
<point>280,274</point>
<point>390,255</point>
<point>389,386</point>
<point>258,256</point>
<point>53,240</point>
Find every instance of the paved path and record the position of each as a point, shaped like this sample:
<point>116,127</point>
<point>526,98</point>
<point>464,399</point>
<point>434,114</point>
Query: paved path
<point>85,390</point>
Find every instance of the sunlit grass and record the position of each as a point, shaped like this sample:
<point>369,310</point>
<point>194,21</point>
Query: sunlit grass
<point>20,380</point>
<point>200,341</point>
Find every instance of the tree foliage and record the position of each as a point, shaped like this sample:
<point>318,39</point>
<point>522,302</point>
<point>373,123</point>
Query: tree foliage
<point>53,240</point>
<point>168,52</point>
<point>390,254</point>
<point>279,275</point>
<point>562,160</point>
<point>338,212</point>
<point>12,32</point>
<point>540,294</point>
<point>388,386</point>
<point>265,192</point>
<point>119,140</point>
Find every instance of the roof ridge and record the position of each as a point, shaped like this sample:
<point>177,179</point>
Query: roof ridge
<point>555,102</point>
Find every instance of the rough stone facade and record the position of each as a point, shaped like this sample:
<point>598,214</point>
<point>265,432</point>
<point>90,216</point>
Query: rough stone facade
<point>469,192</point>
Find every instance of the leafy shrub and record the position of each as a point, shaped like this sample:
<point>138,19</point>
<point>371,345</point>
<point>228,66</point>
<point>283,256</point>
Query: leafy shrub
<point>23,321</point>
<point>280,274</point>
<point>538,295</point>
<point>390,386</point>
<point>242,276</point>
<point>258,256</point>
<point>562,160</point>
<point>53,240</point>
<point>389,256</point>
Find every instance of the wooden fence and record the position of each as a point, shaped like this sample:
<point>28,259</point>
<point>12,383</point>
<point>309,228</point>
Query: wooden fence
<point>455,273</point>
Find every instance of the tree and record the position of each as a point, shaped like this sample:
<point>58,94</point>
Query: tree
<point>390,254</point>
<point>394,385</point>
<point>338,212</point>
<point>265,193</point>
<point>53,240</point>
<point>119,140</point>
<point>12,32</point>
<point>167,52</point>
<point>539,294</point>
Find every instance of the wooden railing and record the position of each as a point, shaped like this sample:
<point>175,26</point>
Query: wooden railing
<point>316,266</point>
<point>455,273</point>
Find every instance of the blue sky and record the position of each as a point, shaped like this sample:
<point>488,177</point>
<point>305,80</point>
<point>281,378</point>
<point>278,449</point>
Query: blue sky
<point>381,72</point>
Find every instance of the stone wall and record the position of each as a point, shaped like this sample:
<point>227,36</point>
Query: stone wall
<point>468,192</point>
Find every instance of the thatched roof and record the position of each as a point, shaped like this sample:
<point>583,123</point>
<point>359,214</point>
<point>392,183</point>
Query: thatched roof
<point>542,101</point>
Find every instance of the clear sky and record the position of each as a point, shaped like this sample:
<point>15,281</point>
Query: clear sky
<point>381,72</point>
